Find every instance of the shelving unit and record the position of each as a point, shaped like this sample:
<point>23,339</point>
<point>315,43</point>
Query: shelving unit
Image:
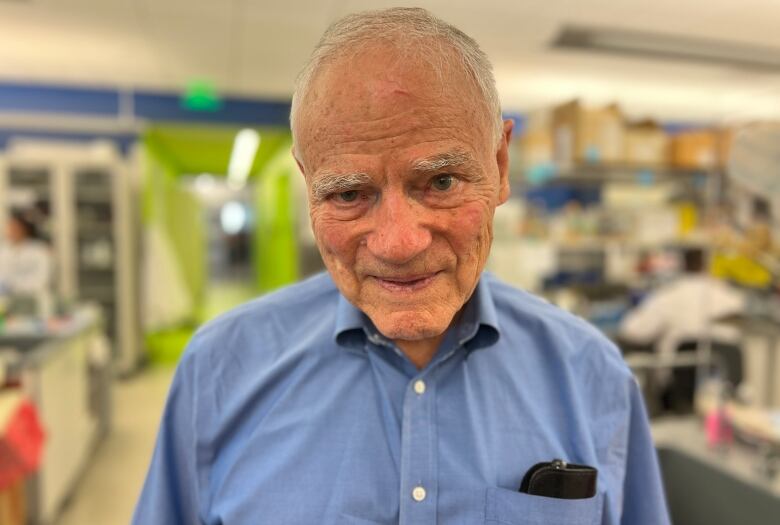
<point>91,225</point>
<point>709,181</point>
<point>96,271</point>
<point>588,257</point>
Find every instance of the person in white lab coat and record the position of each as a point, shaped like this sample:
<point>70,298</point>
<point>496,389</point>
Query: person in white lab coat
<point>683,313</point>
<point>25,260</point>
<point>685,309</point>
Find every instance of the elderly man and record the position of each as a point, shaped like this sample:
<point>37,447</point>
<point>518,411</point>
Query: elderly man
<point>403,386</point>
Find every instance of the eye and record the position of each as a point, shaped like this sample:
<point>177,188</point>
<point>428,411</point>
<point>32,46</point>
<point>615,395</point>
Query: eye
<point>442,182</point>
<point>348,196</point>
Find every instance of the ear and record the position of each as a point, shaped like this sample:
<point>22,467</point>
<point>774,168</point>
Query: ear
<point>297,161</point>
<point>502,160</point>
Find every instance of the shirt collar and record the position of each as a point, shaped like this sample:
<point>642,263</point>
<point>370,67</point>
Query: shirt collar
<point>352,325</point>
<point>477,327</point>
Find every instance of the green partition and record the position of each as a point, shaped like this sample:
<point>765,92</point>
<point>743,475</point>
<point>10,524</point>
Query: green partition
<point>180,215</point>
<point>184,217</point>
<point>177,214</point>
<point>275,246</point>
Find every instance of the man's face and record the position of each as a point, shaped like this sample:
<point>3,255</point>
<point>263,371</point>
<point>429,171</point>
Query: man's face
<point>403,176</point>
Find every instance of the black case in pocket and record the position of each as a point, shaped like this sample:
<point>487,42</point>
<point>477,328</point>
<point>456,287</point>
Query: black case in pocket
<point>558,479</point>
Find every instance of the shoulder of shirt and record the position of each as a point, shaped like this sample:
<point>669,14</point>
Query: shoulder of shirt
<point>578,340</point>
<point>309,298</point>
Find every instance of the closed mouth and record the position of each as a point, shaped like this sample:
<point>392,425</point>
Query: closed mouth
<point>405,283</point>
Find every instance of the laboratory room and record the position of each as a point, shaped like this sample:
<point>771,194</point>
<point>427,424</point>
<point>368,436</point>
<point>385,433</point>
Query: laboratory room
<point>508,262</point>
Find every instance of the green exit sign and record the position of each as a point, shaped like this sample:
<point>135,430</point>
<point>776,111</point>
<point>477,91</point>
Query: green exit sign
<point>201,95</point>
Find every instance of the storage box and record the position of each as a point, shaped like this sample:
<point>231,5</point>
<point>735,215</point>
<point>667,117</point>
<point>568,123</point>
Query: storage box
<point>582,134</point>
<point>534,146</point>
<point>695,149</point>
<point>646,143</point>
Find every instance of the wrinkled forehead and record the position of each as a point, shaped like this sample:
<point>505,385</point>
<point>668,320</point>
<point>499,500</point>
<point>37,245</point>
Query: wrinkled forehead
<point>379,89</point>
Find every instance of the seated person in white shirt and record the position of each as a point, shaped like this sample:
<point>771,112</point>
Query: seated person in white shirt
<point>684,312</point>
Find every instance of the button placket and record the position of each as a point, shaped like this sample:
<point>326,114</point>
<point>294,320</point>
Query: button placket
<point>418,454</point>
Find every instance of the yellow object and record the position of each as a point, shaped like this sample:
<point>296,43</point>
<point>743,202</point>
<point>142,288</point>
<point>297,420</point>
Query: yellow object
<point>741,270</point>
<point>689,218</point>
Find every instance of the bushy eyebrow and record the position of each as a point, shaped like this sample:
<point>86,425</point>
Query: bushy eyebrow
<point>328,183</point>
<point>447,160</point>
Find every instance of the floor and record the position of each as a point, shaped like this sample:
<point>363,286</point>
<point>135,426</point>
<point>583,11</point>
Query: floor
<point>107,493</point>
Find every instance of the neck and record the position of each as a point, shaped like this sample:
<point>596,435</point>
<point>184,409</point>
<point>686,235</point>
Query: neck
<point>420,352</point>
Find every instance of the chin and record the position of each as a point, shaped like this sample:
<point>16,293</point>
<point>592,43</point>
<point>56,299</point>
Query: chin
<point>411,325</point>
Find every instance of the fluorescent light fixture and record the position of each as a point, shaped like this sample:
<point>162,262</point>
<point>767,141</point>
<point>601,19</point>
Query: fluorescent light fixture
<point>667,46</point>
<point>243,156</point>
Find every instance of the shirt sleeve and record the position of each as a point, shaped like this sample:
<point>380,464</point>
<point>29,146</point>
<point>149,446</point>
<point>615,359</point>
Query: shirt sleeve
<point>644,502</point>
<point>647,321</point>
<point>38,271</point>
<point>170,493</point>
<point>27,272</point>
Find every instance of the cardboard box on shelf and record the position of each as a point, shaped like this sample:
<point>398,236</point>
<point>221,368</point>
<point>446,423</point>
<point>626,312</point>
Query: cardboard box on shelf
<point>725,139</point>
<point>535,143</point>
<point>583,134</point>
<point>695,149</point>
<point>536,147</point>
<point>646,143</point>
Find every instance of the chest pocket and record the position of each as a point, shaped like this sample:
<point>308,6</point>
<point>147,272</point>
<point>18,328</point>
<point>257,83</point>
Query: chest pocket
<point>507,507</point>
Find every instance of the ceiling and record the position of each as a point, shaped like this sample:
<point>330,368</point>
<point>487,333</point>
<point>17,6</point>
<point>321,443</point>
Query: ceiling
<point>255,48</point>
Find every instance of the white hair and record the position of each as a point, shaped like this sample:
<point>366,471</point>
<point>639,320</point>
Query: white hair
<point>412,30</point>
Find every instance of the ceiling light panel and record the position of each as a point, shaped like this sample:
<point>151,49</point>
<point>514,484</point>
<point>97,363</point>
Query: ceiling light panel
<point>667,47</point>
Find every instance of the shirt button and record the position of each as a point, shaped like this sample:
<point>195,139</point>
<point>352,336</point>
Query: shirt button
<point>418,494</point>
<point>419,387</point>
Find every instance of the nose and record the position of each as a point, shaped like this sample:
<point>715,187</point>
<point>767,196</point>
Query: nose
<point>399,234</point>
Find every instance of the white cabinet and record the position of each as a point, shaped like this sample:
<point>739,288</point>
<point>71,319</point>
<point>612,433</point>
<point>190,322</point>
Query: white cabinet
<point>87,191</point>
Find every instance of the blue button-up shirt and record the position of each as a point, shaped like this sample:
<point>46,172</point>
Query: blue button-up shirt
<point>294,409</point>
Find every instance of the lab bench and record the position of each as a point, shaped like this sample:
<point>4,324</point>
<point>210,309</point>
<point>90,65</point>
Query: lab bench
<point>66,371</point>
<point>706,486</point>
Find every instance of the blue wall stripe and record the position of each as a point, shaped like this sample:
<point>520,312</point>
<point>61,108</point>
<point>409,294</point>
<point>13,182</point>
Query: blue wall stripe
<point>168,107</point>
<point>151,105</point>
<point>58,99</point>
